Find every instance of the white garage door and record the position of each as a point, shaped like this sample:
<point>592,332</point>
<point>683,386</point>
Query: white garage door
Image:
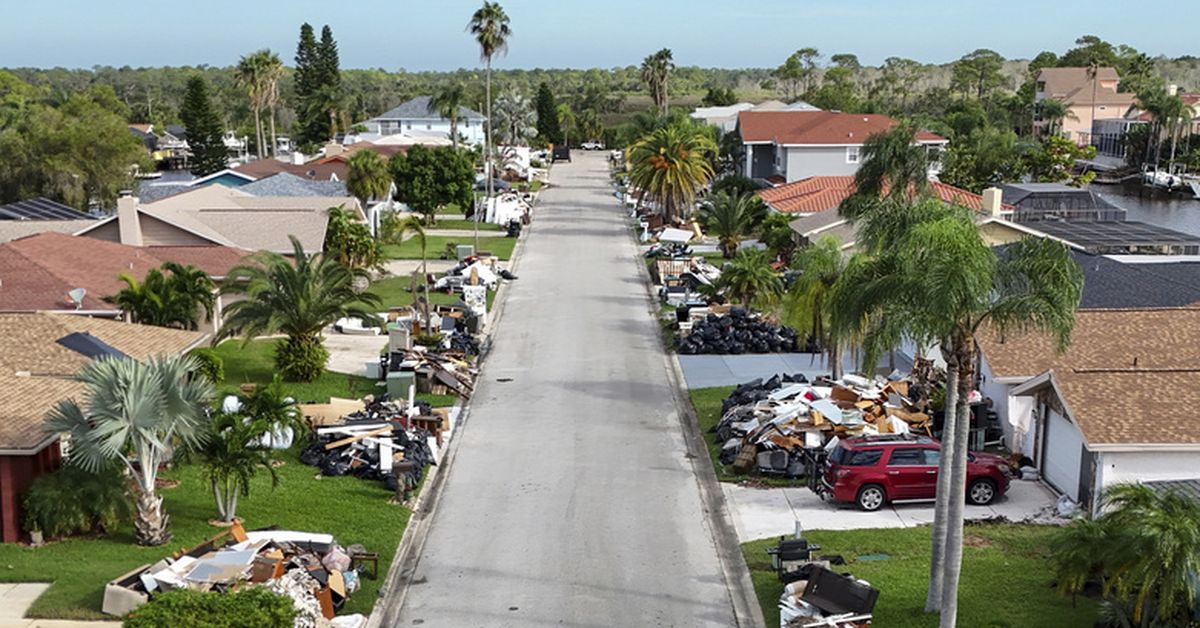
<point>1062,455</point>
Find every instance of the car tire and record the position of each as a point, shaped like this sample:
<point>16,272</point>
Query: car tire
<point>981,492</point>
<point>871,497</point>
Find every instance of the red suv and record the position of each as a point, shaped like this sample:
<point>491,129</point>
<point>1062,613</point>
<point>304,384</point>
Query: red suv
<point>873,470</point>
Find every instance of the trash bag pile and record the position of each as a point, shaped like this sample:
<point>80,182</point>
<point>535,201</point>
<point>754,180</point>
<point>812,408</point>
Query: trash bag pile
<point>735,333</point>
<point>466,344</point>
<point>361,457</point>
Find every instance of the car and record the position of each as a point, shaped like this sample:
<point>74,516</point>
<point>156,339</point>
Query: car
<point>592,145</point>
<point>871,471</point>
<point>561,153</point>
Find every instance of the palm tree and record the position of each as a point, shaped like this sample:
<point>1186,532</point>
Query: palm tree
<point>750,280</point>
<point>272,71</point>
<point>730,218</point>
<point>892,164</point>
<point>231,455</point>
<point>489,26</point>
<point>671,164</point>
<point>398,232</point>
<point>655,73</point>
<point>566,121</point>
<point>939,281</point>
<point>134,413</point>
<point>590,124</point>
<point>516,119</point>
<point>447,102</point>
<point>163,300</point>
<point>271,412</point>
<point>250,74</point>
<point>367,176</point>
<point>810,296</point>
<point>1053,112</point>
<point>298,297</point>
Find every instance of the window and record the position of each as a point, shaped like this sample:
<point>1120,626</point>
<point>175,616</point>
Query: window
<point>905,458</point>
<point>1041,86</point>
<point>856,457</point>
<point>852,154</point>
<point>932,457</point>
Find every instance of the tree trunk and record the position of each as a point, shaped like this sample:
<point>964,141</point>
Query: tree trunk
<point>487,143</point>
<point>274,141</point>
<point>454,132</point>
<point>958,488</point>
<point>151,525</point>
<point>219,498</point>
<point>937,556</point>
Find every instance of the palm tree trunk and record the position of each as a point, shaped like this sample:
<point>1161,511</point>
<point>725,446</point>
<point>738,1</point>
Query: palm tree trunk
<point>937,555</point>
<point>258,133</point>
<point>454,131</point>
<point>274,142</point>
<point>487,143</point>
<point>151,526</point>
<point>218,498</point>
<point>958,490</point>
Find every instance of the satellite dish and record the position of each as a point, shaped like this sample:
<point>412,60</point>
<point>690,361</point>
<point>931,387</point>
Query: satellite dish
<point>76,296</point>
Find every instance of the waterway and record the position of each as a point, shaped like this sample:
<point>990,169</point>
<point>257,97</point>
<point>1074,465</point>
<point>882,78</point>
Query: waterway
<point>1153,207</point>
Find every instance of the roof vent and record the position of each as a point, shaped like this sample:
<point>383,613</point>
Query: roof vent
<point>866,119</point>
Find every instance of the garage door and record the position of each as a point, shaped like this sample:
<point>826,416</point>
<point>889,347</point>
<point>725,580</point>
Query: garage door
<point>1062,455</point>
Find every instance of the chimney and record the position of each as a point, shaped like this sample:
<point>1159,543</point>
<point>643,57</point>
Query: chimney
<point>127,220</point>
<point>1173,89</point>
<point>992,203</point>
<point>333,149</point>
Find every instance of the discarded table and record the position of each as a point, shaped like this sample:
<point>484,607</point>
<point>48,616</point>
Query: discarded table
<point>362,558</point>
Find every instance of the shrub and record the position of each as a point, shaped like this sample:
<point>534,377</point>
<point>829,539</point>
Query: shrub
<point>428,340</point>
<point>254,606</point>
<point>300,359</point>
<point>211,365</point>
<point>75,501</point>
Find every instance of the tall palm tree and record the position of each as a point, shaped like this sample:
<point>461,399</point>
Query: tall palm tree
<point>134,413</point>
<point>297,296</point>
<point>447,102</point>
<point>939,281</point>
<point>655,73</point>
<point>272,72</point>
<point>489,26</point>
<point>590,124</point>
<point>1053,112</point>
<point>750,280</point>
<point>367,176</point>
<point>567,121</point>
<point>400,232</point>
<point>250,75</point>
<point>671,164</point>
<point>821,266</point>
<point>892,164</point>
<point>730,218</point>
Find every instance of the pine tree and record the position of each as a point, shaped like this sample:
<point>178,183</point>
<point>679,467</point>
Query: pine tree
<point>306,55</point>
<point>549,129</point>
<point>204,129</point>
<point>327,59</point>
<point>318,85</point>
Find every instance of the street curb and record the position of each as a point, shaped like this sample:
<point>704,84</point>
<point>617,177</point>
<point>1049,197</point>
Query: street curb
<point>412,541</point>
<point>746,611</point>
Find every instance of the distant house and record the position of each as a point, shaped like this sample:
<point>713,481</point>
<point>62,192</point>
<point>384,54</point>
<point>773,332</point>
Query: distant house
<point>415,117</point>
<point>784,146</point>
<point>37,368</point>
<point>1087,96</point>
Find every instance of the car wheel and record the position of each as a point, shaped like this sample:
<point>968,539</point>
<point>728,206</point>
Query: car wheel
<point>871,497</point>
<point>981,492</point>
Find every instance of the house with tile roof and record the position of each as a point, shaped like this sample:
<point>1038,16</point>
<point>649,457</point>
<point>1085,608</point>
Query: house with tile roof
<point>784,146</point>
<point>37,369</point>
<point>1088,96</point>
<point>416,117</point>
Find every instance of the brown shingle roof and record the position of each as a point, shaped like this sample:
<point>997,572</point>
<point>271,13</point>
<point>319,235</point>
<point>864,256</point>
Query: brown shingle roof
<point>316,171</point>
<point>1125,372</point>
<point>816,127</point>
<point>1073,86</point>
<point>36,272</point>
<point>36,371</point>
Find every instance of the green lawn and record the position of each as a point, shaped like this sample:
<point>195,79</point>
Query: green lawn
<point>1006,579</point>
<point>394,292</point>
<point>707,403</point>
<point>465,225</point>
<point>353,510</point>
<point>410,249</point>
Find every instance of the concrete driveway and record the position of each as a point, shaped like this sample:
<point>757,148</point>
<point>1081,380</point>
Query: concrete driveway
<point>763,512</point>
<point>572,498</point>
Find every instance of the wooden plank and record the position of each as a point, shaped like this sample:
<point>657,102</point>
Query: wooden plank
<point>354,439</point>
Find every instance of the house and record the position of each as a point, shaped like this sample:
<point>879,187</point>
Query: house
<point>416,116</point>
<point>785,146</point>
<point>65,274</point>
<point>39,355</point>
<point>1033,202</point>
<point>217,215</point>
<point>1115,407</point>
<point>1088,96</point>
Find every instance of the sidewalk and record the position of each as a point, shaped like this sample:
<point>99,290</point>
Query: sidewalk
<point>15,599</point>
<point>763,512</point>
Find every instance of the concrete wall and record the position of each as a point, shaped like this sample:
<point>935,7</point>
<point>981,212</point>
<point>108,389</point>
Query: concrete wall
<point>829,161</point>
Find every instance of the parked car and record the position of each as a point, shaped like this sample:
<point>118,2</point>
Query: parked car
<point>873,470</point>
<point>592,145</point>
<point>561,153</point>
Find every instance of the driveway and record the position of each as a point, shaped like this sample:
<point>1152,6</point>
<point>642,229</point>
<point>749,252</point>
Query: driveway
<point>763,512</point>
<point>572,499</point>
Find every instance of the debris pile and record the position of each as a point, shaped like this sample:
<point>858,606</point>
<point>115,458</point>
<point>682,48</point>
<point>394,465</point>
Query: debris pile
<point>317,573</point>
<point>735,333</point>
<point>813,594</point>
<point>783,425</point>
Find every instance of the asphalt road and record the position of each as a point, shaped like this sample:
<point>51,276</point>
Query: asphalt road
<point>571,500</point>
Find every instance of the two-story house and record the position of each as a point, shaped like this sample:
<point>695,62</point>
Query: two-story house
<point>416,118</point>
<point>1088,96</point>
<point>785,146</point>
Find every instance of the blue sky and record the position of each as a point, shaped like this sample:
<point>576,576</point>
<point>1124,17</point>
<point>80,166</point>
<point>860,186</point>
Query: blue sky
<point>429,34</point>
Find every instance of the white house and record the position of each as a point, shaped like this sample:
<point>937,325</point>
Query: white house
<point>416,119</point>
<point>786,146</point>
<point>1117,406</point>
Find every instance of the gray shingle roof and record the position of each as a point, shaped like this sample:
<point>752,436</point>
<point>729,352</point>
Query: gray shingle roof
<point>286,184</point>
<point>1108,283</point>
<point>418,108</point>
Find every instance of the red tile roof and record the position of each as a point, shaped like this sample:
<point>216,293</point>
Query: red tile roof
<point>37,271</point>
<point>829,128</point>
<point>817,194</point>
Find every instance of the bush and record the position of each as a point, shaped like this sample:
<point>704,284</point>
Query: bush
<point>301,359</point>
<point>254,606</point>
<point>75,501</point>
<point>211,364</point>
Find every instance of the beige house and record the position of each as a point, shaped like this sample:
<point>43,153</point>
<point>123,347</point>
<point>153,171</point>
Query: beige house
<point>1087,97</point>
